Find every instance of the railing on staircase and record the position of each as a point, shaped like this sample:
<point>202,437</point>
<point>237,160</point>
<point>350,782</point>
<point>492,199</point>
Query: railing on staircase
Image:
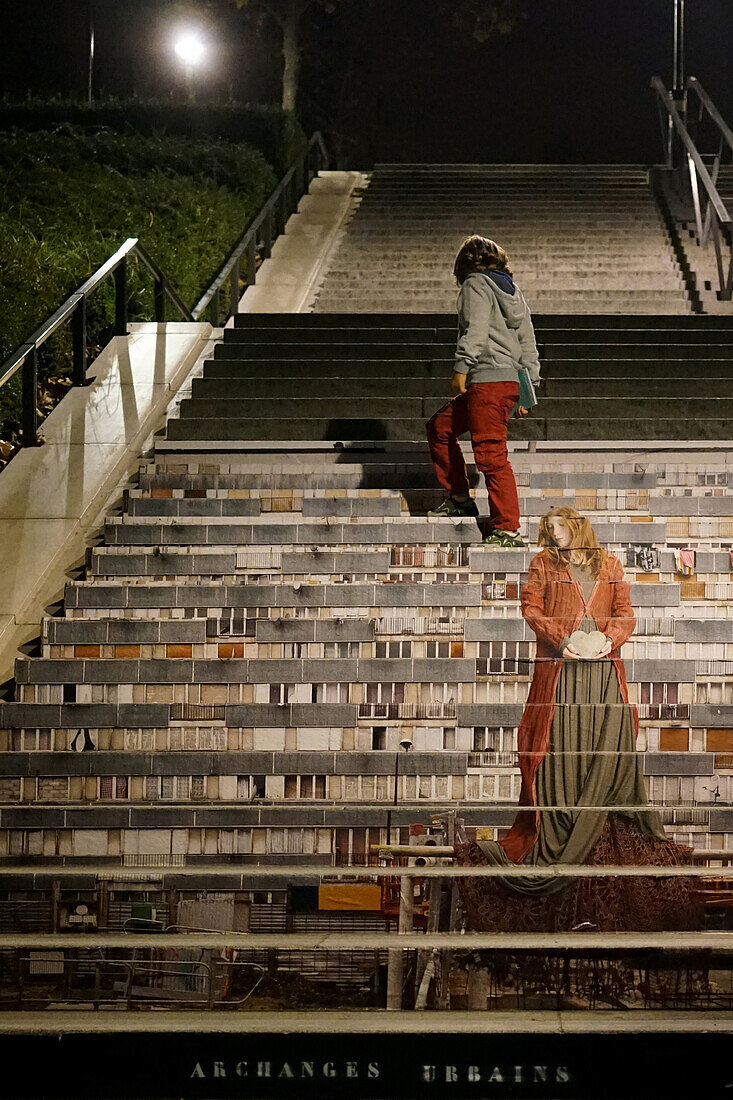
<point>689,172</point>
<point>74,312</point>
<point>256,241</point>
<point>268,224</point>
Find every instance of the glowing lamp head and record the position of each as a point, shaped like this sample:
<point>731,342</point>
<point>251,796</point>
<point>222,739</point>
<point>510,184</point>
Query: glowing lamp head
<point>190,49</point>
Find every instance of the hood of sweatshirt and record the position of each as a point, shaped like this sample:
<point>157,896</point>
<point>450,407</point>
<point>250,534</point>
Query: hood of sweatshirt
<point>510,300</point>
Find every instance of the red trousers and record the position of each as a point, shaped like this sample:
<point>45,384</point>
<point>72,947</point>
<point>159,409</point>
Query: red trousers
<point>483,410</point>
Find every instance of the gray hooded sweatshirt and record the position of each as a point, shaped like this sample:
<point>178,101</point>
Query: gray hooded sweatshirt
<point>495,333</point>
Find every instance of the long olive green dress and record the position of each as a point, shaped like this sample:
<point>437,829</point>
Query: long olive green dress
<point>591,761</point>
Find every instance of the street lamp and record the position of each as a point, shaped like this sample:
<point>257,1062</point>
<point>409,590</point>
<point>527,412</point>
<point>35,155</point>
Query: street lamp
<point>679,46</point>
<point>406,744</point>
<point>190,49</point>
<point>90,54</point>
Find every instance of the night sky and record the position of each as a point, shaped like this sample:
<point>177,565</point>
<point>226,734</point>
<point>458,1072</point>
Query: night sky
<point>391,81</point>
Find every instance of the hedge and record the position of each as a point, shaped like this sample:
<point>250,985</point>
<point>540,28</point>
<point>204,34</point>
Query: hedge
<point>69,200</point>
<point>274,132</point>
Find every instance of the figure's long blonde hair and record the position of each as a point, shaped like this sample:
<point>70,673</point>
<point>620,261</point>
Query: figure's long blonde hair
<point>583,540</point>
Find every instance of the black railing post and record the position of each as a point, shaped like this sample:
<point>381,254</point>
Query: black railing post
<point>159,298</point>
<point>234,289</point>
<point>251,269</point>
<point>79,343</point>
<point>214,309</point>
<point>267,234</point>
<point>30,398</point>
<point>283,208</point>
<point>121,298</point>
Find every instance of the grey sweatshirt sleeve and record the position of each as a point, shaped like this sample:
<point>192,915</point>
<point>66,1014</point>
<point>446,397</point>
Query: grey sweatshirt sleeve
<point>474,319</point>
<point>529,357</point>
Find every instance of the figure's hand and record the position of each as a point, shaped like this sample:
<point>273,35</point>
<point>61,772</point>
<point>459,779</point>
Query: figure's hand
<point>521,411</point>
<point>570,651</point>
<point>605,651</point>
<point>458,383</point>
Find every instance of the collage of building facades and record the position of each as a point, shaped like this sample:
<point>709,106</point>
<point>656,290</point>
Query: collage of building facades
<point>368,646</point>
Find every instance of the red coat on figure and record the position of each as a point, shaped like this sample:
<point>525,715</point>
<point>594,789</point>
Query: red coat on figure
<point>553,605</point>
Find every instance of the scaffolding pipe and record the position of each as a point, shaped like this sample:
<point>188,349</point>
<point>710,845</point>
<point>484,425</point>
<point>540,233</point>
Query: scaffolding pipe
<point>395,957</point>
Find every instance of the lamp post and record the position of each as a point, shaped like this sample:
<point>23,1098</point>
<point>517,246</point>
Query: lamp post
<point>90,59</point>
<point>678,82</point>
<point>406,744</point>
<point>190,49</point>
<point>678,93</point>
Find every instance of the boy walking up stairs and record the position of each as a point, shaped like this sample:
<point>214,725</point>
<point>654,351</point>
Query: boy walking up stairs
<point>495,341</point>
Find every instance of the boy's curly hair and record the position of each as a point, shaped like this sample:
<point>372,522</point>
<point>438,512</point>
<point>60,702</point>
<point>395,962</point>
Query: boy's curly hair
<point>479,254</point>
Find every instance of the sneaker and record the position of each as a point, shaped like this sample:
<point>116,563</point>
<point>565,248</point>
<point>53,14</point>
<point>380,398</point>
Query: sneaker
<point>505,539</point>
<point>451,507</point>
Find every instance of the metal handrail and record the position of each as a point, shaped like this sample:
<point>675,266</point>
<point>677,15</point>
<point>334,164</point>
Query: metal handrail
<point>74,310</point>
<point>270,220</point>
<point>706,103</point>
<point>682,132</point>
<point>715,220</point>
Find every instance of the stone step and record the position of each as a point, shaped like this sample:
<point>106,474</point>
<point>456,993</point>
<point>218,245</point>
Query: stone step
<point>204,594</point>
<point>371,262</point>
<point>441,326</point>
<point>659,303</point>
<point>447,319</point>
<point>309,332</point>
<point>527,224</point>
<point>376,297</point>
<point>221,374</point>
<point>529,256</point>
<point>375,594</point>
<point>315,477</point>
<point>417,502</point>
<point>594,404</point>
<point>279,349</point>
<point>239,391</point>
<point>423,281</point>
<point>675,309</point>
<point>295,528</point>
<point>560,241</point>
<point>412,558</point>
<point>432,343</point>
<point>376,428</point>
<point>358,670</point>
<point>278,630</point>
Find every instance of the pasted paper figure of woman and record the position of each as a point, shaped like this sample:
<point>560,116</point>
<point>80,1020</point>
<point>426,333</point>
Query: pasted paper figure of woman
<point>577,736</point>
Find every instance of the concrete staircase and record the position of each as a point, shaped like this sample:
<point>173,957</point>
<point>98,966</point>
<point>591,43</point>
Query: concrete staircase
<point>230,677</point>
<point>581,239</point>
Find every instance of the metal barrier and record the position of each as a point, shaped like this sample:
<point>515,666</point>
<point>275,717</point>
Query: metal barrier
<point>74,311</point>
<point>268,224</point>
<point>712,219</point>
<point>418,960</point>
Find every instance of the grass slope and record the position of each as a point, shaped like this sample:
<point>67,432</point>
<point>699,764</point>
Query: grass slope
<point>68,199</point>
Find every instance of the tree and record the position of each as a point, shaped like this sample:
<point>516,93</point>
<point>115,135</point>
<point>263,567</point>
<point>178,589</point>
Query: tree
<point>356,64</point>
<point>484,19</point>
<point>477,19</point>
<point>288,14</point>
